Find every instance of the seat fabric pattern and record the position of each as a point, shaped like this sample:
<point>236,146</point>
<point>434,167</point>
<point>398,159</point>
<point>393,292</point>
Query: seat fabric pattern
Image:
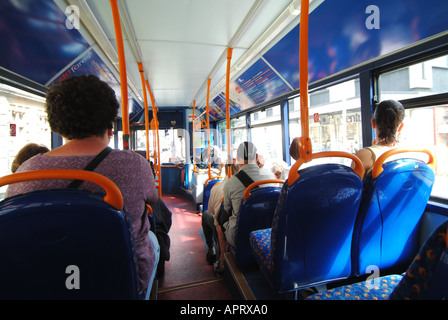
<point>278,211</point>
<point>365,290</point>
<point>421,275</point>
<point>260,242</point>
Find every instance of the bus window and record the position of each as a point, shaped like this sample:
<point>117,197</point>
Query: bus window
<point>239,132</point>
<point>428,128</point>
<point>24,120</point>
<point>266,133</point>
<point>334,118</point>
<point>417,80</point>
<point>425,125</point>
<point>171,142</point>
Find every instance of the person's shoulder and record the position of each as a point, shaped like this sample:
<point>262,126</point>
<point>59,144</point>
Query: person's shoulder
<point>266,172</point>
<point>230,183</point>
<point>127,154</point>
<point>128,159</point>
<point>367,157</point>
<point>365,153</point>
<point>30,164</point>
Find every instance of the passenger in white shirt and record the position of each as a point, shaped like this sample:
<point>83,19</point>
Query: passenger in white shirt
<point>210,224</point>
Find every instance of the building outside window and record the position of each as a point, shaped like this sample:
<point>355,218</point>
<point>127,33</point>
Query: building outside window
<point>22,120</point>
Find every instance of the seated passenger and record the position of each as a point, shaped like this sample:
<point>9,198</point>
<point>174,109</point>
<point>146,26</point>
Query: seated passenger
<point>260,161</point>
<point>234,187</point>
<point>210,224</point>
<point>82,110</point>
<point>27,152</point>
<point>387,122</point>
<point>280,169</point>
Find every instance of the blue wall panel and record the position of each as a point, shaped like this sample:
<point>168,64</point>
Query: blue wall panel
<point>342,34</point>
<point>34,40</point>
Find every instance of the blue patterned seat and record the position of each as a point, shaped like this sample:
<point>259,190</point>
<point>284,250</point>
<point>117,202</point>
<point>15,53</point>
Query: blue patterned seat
<point>311,234</point>
<point>393,202</point>
<point>426,277</point>
<point>256,212</point>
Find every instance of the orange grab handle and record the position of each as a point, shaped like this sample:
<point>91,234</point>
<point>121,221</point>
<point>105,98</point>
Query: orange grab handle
<point>378,166</point>
<point>211,178</point>
<point>257,183</point>
<point>199,171</point>
<point>294,175</point>
<point>113,194</point>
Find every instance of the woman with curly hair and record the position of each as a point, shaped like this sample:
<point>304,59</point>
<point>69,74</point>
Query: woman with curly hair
<point>82,110</point>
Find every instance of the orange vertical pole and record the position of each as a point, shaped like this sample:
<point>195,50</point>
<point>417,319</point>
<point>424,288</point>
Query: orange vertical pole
<point>208,127</point>
<point>157,163</point>
<point>305,141</point>
<point>192,132</point>
<point>123,74</point>
<point>145,98</point>
<point>229,58</point>
<point>158,157</point>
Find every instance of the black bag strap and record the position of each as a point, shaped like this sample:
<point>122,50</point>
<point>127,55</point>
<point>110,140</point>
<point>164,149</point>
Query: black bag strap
<point>244,178</point>
<point>91,166</point>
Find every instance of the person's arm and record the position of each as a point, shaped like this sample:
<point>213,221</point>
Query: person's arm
<point>227,199</point>
<point>367,158</point>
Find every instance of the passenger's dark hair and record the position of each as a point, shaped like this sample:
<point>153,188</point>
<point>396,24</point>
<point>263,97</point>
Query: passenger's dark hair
<point>388,116</point>
<point>80,107</point>
<point>27,152</point>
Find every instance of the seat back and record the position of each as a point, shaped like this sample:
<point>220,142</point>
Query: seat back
<point>208,185</point>
<point>256,212</point>
<point>66,244</point>
<point>313,225</point>
<point>393,203</point>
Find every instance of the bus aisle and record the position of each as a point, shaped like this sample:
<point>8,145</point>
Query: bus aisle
<point>187,274</point>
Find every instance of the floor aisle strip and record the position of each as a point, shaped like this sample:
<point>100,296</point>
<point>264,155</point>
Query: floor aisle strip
<point>189,285</point>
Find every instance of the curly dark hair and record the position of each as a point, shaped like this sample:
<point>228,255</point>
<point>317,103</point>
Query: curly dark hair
<point>80,107</point>
<point>388,116</point>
